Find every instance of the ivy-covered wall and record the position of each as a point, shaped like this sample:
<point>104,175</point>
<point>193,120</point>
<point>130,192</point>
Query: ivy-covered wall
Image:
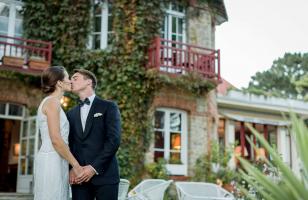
<point>120,69</point>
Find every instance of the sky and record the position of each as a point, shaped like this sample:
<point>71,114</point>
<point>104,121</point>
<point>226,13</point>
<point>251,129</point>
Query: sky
<point>257,33</point>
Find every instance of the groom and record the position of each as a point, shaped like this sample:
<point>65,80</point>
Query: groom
<point>94,140</point>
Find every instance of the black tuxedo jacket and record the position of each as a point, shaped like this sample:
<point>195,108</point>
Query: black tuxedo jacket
<point>98,143</point>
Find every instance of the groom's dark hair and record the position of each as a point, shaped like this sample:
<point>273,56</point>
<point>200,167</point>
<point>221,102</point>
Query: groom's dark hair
<point>87,75</point>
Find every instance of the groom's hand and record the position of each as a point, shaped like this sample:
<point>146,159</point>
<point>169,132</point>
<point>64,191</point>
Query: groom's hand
<point>88,173</point>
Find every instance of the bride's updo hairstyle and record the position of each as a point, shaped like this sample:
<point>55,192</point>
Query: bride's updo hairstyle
<point>50,77</point>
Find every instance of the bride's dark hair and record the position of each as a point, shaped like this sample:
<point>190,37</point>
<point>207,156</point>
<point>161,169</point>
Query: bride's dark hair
<point>50,77</point>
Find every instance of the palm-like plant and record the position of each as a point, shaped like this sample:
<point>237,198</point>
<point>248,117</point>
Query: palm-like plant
<point>289,186</point>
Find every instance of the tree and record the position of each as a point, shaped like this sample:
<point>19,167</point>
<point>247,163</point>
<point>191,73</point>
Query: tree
<point>286,78</point>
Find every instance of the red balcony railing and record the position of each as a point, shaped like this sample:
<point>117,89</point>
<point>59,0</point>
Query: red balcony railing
<point>179,58</point>
<point>26,56</point>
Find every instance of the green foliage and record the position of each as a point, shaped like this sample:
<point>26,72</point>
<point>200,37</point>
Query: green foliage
<point>289,185</point>
<point>157,170</point>
<point>213,167</point>
<point>302,86</point>
<point>282,79</point>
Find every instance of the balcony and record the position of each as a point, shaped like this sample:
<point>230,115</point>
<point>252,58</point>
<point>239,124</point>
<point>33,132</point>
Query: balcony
<point>179,58</point>
<point>24,56</point>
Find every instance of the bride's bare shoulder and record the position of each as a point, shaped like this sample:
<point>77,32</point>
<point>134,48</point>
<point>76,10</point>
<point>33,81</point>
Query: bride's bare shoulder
<point>51,104</point>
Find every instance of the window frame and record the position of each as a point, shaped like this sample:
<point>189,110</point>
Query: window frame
<point>169,14</point>
<point>6,114</point>
<point>174,169</point>
<point>11,29</point>
<point>104,15</point>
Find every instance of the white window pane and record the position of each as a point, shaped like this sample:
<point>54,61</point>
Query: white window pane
<point>180,26</point>
<point>97,8</point>
<point>159,140</point>
<point>32,128</point>
<point>4,9</point>
<point>23,149</point>
<point>15,110</point>
<point>18,12</point>
<point>31,146</point>
<point>4,25</point>
<point>174,25</point>
<point>175,121</point>
<point>25,129</point>
<point>2,108</point>
<point>175,141</point>
<point>97,24</point>
<point>23,166</point>
<point>30,165</point>
<point>110,21</point>
<point>159,119</point>
<point>18,28</point>
<point>158,155</point>
<point>96,41</point>
<point>175,158</point>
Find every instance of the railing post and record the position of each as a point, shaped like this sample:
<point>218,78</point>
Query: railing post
<point>188,58</point>
<point>157,51</point>
<point>218,65</point>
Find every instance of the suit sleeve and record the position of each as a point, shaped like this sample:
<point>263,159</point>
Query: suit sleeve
<point>112,139</point>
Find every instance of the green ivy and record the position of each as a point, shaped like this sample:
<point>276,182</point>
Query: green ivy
<point>120,69</point>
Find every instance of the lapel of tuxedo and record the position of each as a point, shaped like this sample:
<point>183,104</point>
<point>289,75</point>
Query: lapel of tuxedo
<point>78,122</point>
<point>90,117</point>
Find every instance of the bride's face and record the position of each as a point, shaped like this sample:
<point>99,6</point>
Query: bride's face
<point>66,83</point>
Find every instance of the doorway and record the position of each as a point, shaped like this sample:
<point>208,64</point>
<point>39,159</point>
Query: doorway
<point>9,153</point>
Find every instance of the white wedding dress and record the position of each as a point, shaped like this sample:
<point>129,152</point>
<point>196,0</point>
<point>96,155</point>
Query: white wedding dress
<point>51,172</point>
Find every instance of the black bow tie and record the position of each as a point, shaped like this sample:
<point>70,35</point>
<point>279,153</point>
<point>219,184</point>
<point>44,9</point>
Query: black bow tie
<point>86,101</point>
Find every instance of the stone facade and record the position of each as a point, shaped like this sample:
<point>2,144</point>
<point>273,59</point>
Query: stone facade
<point>15,91</point>
<point>200,28</point>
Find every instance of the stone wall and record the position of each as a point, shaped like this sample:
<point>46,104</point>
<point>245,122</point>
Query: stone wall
<point>15,91</point>
<point>200,28</point>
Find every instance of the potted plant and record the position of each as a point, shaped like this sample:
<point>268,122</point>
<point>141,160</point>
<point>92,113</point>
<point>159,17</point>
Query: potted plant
<point>13,61</point>
<point>38,63</point>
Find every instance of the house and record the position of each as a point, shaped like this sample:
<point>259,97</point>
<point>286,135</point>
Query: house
<point>268,115</point>
<point>183,122</point>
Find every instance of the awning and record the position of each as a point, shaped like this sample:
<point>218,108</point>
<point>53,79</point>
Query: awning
<point>251,118</point>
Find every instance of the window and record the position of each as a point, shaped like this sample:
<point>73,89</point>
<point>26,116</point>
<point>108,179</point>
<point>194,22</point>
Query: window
<point>174,24</point>
<point>9,110</point>
<point>170,139</point>
<point>221,132</point>
<point>242,132</point>
<point>10,18</point>
<point>102,25</point>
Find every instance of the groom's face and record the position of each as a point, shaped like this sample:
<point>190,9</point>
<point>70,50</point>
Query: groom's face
<point>79,82</point>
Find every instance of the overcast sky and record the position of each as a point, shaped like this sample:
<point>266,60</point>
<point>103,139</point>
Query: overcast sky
<point>257,33</point>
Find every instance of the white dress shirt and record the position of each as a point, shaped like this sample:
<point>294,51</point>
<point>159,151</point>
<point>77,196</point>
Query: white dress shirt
<point>84,112</point>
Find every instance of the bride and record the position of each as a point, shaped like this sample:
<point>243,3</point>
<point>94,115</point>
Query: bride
<point>51,175</point>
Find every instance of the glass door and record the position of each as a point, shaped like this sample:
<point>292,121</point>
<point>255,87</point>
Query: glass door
<point>173,31</point>
<point>28,148</point>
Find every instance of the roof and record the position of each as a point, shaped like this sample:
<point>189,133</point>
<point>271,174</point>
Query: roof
<point>224,87</point>
<point>243,101</point>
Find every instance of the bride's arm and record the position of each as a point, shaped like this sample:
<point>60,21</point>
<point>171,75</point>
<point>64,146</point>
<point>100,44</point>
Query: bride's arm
<point>52,110</point>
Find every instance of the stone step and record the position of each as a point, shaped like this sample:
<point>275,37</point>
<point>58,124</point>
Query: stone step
<point>15,196</point>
